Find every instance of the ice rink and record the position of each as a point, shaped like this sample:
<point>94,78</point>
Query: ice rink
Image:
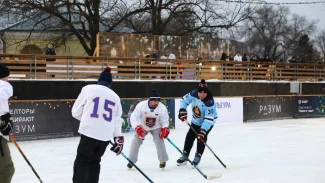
<point>283,151</point>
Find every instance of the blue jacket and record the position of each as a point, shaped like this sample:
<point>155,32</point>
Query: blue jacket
<point>204,111</point>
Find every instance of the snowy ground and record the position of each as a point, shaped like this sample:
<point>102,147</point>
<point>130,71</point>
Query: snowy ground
<point>262,152</point>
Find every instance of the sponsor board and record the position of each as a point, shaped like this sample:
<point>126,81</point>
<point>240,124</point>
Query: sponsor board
<point>229,110</point>
<point>310,106</point>
<point>43,120</point>
<point>268,108</point>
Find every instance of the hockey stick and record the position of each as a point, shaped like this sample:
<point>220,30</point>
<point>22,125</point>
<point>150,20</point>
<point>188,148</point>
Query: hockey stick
<point>21,152</point>
<point>206,145</point>
<point>216,175</point>
<point>127,158</point>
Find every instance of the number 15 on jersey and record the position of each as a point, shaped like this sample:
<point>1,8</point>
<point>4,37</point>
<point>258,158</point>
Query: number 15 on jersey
<point>107,107</point>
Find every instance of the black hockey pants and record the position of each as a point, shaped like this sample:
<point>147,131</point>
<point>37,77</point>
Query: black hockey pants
<point>87,164</point>
<point>191,136</point>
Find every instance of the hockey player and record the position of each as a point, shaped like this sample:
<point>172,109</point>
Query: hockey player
<point>150,116</point>
<point>99,110</point>
<point>6,165</point>
<point>203,119</point>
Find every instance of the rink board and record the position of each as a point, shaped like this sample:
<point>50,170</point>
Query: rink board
<point>35,120</point>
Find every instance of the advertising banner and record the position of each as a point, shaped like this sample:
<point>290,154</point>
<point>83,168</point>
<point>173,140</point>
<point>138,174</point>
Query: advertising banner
<point>229,110</point>
<point>310,107</point>
<point>43,120</point>
<point>268,108</point>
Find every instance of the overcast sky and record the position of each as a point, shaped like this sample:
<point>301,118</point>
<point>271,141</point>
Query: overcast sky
<point>311,11</point>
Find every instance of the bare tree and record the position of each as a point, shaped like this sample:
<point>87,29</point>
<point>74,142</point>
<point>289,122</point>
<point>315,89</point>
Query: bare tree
<point>320,42</point>
<point>184,17</point>
<point>297,32</point>
<point>83,19</point>
<point>271,27</point>
<point>263,29</point>
<point>80,18</point>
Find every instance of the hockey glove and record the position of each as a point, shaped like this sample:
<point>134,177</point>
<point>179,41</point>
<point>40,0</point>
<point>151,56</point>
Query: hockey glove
<point>141,132</point>
<point>201,135</point>
<point>182,114</point>
<point>118,145</point>
<point>5,124</point>
<point>164,132</point>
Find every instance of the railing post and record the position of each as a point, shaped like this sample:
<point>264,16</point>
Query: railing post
<point>195,70</point>
<point>315,72</point>
<point>103,64</point>
<point>272,71</point>
<point>199,74</point>
<point>30,67</point>
<point>135,68</point>
<point>106,65</point>
<point>222,70</point>
<point>296,72</point>
<point>250,71</point>
<point>68,68</point>
<point>72,68</point>
<point>170,69</point>
<point>166,70</point>
<point>139,62</point>
<point>35,67</point>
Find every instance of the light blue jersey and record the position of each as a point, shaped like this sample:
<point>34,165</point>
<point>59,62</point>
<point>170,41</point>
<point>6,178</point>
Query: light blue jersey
<point>204,111</point>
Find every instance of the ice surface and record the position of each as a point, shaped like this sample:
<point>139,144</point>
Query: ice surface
<point>284,151</point>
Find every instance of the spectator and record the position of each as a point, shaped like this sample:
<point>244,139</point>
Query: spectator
<point>238,57</point>
<point>268,59</point>
<point>164,56</point>
<point>147,56</point>
<point>172,56</point>
<point>50,51</point>
<point>154,55</point>
<point>253,59</point>
<point>231,57</point>
<point>293,60</point>
<point>223,56</point>
<point>163,62</point>
<point>180,68</point>
<point>245,58</point>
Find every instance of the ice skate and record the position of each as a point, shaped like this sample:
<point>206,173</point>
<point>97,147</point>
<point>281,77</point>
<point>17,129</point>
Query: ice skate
<point>162,164</point>
<point>197,159</point>
<point>129,165</point>
<point>182,160</point>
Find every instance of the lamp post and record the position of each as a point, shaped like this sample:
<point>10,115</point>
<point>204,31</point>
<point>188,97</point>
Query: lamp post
<point>284,52</point>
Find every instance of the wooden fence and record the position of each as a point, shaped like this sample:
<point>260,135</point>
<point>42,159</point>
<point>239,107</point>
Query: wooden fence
<point>76,67</point>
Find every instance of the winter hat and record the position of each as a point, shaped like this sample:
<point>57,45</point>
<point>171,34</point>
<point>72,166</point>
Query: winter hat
<point>154,95</point>
<point>203,86</point>
<point>106,76</point>
<point>4,71</point>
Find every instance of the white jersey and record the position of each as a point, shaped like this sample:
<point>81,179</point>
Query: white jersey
<point>150,119</point>
<point>6,92</point>
<point>99,110</point>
